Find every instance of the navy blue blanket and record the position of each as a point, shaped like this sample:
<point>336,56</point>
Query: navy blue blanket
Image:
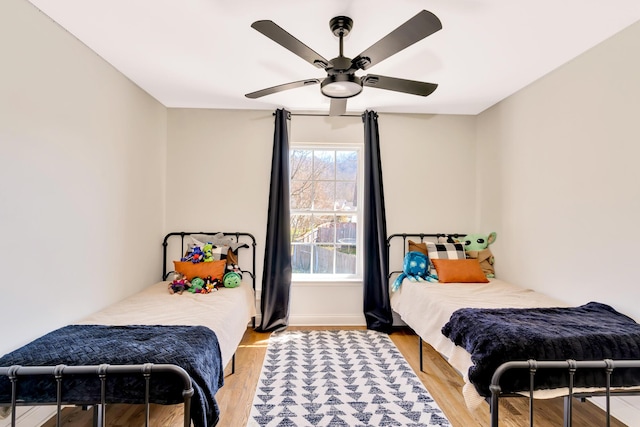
<point>194,348</point>
<point>593,331</point>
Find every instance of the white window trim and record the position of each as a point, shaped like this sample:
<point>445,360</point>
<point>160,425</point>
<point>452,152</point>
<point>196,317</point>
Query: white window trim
<point>331,278</point>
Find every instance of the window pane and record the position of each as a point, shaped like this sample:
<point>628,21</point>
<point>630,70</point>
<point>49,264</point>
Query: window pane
<point>324,183</point>
<point>346,165</point>
<point>301,192</point>
<point>324,164</point>
<point>346,259</point>
<point>301,259</point>
<point>301,228</point>
<point>323,259</point>
<point>300,164</point>
<point>324,195</point>
<point>346,229</point>
<point>346,196</point>
<point>324,228</point>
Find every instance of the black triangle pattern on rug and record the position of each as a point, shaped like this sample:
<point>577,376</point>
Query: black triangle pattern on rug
<point>337,378</point>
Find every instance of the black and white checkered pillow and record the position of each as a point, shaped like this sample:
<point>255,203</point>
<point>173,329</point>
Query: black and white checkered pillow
<point>443,251</point>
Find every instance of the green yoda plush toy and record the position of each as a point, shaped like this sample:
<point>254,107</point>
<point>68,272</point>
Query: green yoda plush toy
<point>477,246</point>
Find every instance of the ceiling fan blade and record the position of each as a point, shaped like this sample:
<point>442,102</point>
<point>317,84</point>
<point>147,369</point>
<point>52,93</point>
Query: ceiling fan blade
<point>415,29</point>
<point>399,85</point>
<point>286,40</point>
<point>338,106</point>
<point>280,88</point>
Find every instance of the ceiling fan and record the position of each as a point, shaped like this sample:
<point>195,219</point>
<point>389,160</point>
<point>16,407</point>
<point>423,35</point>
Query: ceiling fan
<point>341,82</point>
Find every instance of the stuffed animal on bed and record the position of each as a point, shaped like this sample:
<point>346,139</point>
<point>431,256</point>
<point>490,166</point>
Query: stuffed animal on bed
<point>197,284</point>
<point>477,246</point>
<point>179,284</point>
<point>207,251</point>
<point>195,255</point>
<point>221,240</point>
<point>233,277</point>
<point>414,268</point>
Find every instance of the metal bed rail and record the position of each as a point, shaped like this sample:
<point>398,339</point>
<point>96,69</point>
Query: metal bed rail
<point>571,366</point>
<point>101,371</point>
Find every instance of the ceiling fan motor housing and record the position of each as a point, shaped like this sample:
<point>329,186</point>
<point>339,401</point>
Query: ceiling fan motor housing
<point>341,25</point>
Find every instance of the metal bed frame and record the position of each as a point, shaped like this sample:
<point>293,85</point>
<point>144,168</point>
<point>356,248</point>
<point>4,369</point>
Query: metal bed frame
<point>101,371</point>
<point>240,237</point>
<point>422,236</point>
<point>146,370</point>
<point>532,365</point>
<point>571,366</point>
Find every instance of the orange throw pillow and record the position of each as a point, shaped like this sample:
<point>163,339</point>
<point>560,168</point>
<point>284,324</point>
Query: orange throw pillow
<point>215,269</point>
<point>459,271</point>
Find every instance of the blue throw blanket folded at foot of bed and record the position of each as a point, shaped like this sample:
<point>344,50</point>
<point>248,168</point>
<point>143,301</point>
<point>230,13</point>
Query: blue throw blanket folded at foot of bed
<point>194,348</point>
<point>593,331</point>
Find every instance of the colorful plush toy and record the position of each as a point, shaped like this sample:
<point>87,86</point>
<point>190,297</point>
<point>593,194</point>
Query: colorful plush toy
<point>414,268</point>
<point>211,285</point>
<point>233,277</point>
<point>196,285</point>
<point>221,240</point>
<point>477,246</point>
<point>194,254</point>
<point>207,251</point>
<point>179,284</point>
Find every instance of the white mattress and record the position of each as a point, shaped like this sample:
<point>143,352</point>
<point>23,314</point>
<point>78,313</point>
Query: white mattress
<point>426,307</point>
<point>226,311</point>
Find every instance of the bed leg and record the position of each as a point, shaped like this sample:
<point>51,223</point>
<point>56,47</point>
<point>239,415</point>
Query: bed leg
<point>494,406</point>
<point>233,364</point>
<point>187,411</point>
<point>98,415</point>
<point>567,411</point>
<point>420,342</point>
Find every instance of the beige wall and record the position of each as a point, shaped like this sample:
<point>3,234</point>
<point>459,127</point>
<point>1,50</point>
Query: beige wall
<point>81,182</point>
<point>558,178</point>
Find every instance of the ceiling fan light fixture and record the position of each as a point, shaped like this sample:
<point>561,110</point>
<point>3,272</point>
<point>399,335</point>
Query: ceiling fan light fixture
<point>341,86</point>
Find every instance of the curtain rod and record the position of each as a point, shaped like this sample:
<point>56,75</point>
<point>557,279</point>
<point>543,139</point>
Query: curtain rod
<point>322,115</point>
<point>325,115</point>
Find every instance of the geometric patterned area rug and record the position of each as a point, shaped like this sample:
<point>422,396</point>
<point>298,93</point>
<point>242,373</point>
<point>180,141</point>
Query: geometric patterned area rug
<point>339,378</point>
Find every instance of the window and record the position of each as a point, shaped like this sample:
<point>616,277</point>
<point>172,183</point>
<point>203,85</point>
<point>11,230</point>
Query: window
<point>325,212</point>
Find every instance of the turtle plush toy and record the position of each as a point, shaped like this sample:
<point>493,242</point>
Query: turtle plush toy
<point>477,246</point>
<point>233,277</point>
<point>414,268</point>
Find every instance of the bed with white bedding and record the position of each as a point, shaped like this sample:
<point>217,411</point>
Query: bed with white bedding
<point>176,344</point>
<point>227,312</point>
<point>433,309</point>
<point>427,307</point>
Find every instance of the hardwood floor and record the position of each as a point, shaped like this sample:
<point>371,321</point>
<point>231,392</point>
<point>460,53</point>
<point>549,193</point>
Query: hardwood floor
<point>444,384</point>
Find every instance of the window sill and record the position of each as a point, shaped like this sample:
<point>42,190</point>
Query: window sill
<point>317,281</point>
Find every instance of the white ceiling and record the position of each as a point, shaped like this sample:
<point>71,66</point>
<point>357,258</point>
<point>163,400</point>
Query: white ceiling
<point>204,53</point>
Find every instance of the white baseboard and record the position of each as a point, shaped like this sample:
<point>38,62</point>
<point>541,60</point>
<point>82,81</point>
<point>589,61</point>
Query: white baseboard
<point>30,416</point>
<point>324,320</point>
<point>625,409</point>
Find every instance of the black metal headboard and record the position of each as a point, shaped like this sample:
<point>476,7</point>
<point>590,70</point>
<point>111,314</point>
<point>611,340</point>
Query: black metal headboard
<point>240,237</point>
<point>406,236</point>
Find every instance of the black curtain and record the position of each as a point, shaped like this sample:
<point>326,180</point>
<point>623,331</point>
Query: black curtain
<point>377,307</point>
<point>276,276</point>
